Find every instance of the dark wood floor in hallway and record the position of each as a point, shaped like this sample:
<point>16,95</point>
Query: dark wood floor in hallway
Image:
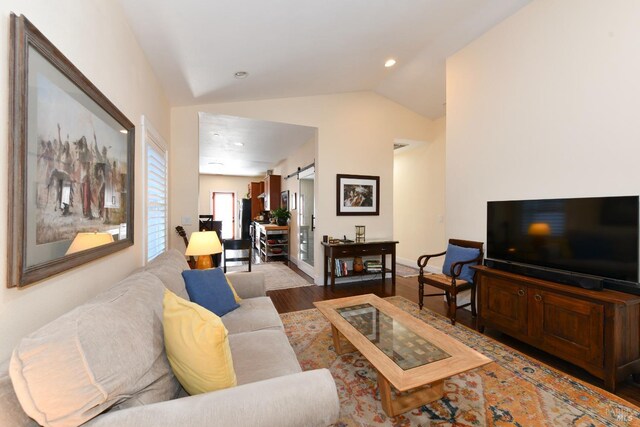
<point>287,300</point>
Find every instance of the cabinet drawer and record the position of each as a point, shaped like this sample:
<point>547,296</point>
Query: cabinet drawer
<point>344,252</point>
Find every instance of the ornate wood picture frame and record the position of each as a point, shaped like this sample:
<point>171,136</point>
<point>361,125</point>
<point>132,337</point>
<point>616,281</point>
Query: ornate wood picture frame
<point>357,195</point>
<point>71,164</point>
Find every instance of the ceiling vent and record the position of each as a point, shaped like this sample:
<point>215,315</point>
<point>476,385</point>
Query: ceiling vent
<point>397,146</point>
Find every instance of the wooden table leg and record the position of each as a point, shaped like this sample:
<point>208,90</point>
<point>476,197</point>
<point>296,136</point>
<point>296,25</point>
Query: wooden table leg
<point>409,400</point>
<point>326,268</point>
<point>384,268</point>
<point>393,266</point>
<point>337,343</point>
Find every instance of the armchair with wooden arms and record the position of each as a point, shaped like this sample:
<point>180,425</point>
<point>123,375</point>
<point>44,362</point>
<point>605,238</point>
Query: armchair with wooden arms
<point>456,275</point>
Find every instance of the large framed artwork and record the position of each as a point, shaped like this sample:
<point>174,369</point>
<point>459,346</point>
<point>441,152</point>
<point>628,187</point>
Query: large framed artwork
<point>71,164</point>
<point>357,195</point>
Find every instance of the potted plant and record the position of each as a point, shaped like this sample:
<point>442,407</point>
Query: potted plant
<point>281,215</point>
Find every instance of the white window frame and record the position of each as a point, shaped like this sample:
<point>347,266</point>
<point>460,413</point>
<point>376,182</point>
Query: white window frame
<point>152,139</point>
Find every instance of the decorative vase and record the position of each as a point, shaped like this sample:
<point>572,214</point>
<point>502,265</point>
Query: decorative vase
<point>282,221</point>
<point>358,265</point>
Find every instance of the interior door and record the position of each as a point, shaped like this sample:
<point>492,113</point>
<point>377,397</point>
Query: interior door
<point>306,220</point>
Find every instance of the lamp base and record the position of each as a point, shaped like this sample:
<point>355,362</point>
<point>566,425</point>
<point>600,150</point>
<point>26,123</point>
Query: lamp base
<point>204,262</point>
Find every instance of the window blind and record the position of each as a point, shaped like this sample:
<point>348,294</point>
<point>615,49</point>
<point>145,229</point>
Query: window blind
<point>156,200</point>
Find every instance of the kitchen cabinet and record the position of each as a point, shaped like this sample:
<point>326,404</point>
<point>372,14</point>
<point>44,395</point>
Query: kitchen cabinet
<point>255,190</point>
<point>271,192</point>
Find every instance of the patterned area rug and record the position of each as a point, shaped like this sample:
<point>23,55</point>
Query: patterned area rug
<point>406,271</point>
<point>276,275</point>
<point>513,391</point>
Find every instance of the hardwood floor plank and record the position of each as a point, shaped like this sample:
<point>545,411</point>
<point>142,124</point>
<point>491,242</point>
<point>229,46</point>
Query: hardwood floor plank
<point>295,299</point>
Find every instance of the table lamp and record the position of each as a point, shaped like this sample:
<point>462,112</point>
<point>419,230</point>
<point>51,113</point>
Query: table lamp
<point>203,244</point>
<point>84,241</point>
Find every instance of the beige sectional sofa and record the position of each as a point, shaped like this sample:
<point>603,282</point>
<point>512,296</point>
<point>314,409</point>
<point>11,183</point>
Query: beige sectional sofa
<point>104,364</point>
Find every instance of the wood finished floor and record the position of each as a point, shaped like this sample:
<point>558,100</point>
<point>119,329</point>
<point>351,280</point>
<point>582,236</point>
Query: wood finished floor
<point>287,300</point>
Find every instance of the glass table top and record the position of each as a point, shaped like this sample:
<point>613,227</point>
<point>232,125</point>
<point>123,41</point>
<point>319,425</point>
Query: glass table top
<point>404,347</point>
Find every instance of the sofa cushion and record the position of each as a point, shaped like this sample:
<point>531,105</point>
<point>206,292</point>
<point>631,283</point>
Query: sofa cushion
<point>235,294</point>
<point>254,314</point>
<point>197,346</point>
<point>11,413</point>
<point>210,289</point>
<point>168,268</point>
<point>261,355</point>
<point>107,352</point>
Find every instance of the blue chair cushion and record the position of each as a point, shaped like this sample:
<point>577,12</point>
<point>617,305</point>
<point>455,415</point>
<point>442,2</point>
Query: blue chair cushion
<point>458,253</point>
<point>210,289</point>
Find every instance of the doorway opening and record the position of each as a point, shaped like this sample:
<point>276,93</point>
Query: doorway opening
<point>306,220</point>
<point>223,209</point>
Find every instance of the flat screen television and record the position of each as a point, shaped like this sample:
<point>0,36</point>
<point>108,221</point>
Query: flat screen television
<point>590,242</point>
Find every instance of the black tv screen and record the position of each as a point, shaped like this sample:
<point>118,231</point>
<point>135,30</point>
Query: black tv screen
<point>596,236</point>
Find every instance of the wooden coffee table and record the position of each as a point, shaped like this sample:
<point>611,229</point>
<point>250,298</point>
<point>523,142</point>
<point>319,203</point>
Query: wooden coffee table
<point>408,354</point>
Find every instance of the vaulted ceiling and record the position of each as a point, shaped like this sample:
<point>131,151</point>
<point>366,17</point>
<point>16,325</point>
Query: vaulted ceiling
<point>304,47</point>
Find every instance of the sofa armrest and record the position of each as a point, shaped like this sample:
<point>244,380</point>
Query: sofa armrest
<point>248,285</point>
<point>303,399</point>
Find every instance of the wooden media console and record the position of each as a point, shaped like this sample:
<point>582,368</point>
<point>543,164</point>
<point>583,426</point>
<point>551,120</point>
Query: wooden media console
<point>596,330</point>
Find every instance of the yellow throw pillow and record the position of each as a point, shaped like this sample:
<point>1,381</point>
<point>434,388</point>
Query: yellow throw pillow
<point>197,346</point>
<point>235,295</point>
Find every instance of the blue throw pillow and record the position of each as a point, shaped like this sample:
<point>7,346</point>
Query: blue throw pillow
<point>210,289</point>
<point>458,253</point>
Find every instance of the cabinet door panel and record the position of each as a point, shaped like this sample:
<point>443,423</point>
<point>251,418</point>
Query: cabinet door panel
<point>568,327</point>
<point>504,304</point>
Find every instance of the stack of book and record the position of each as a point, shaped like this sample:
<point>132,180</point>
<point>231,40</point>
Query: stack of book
<point>373,266</point>
<point>341,268</point>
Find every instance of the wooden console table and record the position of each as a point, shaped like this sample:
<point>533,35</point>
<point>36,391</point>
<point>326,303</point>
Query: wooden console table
<point>596,330</point>
<point>381,248</point>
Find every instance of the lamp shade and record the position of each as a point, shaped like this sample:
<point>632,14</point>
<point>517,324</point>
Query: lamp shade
<point>84,241</point>
<point>203,243</point>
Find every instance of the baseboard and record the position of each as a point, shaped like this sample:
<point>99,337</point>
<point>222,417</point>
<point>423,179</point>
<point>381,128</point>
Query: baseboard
<point>412,263</point>
<point>406,262</point>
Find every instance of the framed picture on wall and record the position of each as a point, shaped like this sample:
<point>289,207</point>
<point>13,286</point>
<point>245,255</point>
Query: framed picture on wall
<point>71,164</point>
<point>357,195</point>
<point>284,199</point>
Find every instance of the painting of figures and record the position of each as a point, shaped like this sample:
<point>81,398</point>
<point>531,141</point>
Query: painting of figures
<point>357,195</point>
<point>71,163</point>
<point>80,167</point>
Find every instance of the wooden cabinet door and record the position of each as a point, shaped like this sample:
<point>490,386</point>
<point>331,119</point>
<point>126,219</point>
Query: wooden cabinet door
<point>570,328</point>
<point>267,190</point>
<point>504,305</point>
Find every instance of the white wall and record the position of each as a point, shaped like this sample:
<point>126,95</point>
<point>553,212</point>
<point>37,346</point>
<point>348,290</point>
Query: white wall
<point>544,105</point>
<point>96,38</point>
<point>418,199</point>
<point>355,136</point>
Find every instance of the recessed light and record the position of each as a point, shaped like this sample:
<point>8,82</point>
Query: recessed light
<point>124,131</point>
<point>239,144</point>
<point>390,63</point>
<point>240,74</point>
<point>215,164</point>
